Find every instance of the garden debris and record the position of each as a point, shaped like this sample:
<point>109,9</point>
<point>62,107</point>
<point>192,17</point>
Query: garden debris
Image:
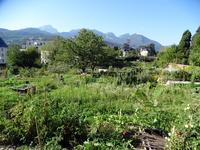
<point>169,82</point>
<point>7,148</point>
<point>25,89</point>
<point>151,142</point>
<point>149,139</point>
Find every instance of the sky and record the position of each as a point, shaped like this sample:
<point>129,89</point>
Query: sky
<point>160,20</point>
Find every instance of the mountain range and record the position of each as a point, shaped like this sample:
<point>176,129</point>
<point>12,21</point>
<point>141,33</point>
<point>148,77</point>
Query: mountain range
<point>47,32</point>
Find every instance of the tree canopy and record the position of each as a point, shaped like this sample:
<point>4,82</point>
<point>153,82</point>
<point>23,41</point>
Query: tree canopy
<point>86,50</point>
<point>194,58</point>
<point>22,58</point>
<point>177,53</point>
<point>168,55</point>
<point>184,47</point>
<point>57,50</point>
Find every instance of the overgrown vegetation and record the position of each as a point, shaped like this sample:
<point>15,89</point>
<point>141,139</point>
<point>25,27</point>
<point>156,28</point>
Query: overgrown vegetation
<point>187,52</point>
<point>75,106</point>
<point>81,114</point>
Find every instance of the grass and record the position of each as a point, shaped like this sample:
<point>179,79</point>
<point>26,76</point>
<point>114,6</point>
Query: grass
<point>87,113</point>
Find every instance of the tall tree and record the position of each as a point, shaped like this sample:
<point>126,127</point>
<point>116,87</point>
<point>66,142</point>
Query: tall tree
<point>198,30</point>
<point>126,46</point>
<point>13,58</point>
<point>184,47</point>
<point>152,49</point>
<point>194,58</point>
<point>196,38</point>
<point>88,50</point>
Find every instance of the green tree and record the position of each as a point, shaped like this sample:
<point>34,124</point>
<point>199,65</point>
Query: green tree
<point>57,50</point>
<point>88,50</point>
<point>194,57</point>
<point>152,49</point>
<point>198,30</point>
<point>116,48</point>
<point>126,46</point>
<point>184,47</point>
<point>17,58</point>
<point>13,55</point>
<point>13,58</point>
<point>168,55</point>
<point>109,55</point>
<point>196,38</point>
<point>30,57</point>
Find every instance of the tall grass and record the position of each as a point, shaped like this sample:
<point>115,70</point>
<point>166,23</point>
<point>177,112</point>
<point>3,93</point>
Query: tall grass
<point>93,114</point>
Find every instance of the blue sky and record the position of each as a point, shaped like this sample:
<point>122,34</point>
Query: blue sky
<point>161,20</point>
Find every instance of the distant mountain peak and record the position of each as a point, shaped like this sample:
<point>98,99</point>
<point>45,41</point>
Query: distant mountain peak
<point>110,33</point>
<point>126,34</point>
<point>48,32</point>
<point>49,28</point>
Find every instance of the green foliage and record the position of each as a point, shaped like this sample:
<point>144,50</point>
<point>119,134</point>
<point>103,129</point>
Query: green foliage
<point>30,57</point>
<point>195,51</point>
<point>169,55</point>
<point>94,114</point>
<point>57,50</point>
<point>58,67</point>
<point>196,38</point>
<point>177,54</point>
<point>195,56</point>
<point>178,76</point>
<point>88,50</point>
<point>152,49</point>
<point>93,111</point>
<point>13,58</point>
<point>184,47</point>
<point>26,58</point>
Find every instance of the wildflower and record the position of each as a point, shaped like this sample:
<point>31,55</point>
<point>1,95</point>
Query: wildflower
<point>173,130</point>
<point>109,144</point>
<point>96,144</point>
<point>187,108</point>
<point>155,103</point>
<point>190,125</point>
<point>168,139</point>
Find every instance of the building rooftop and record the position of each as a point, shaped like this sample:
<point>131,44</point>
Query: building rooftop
<point>2,43</point>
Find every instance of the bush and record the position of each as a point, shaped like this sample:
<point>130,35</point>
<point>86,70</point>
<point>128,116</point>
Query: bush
<point>135,76</point>
<point>58,67</point>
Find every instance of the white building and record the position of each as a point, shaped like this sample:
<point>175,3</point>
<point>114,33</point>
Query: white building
<point>44,57</point>
<point>144,52</point>
<point>38,43</point>
<point>3,52</point>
